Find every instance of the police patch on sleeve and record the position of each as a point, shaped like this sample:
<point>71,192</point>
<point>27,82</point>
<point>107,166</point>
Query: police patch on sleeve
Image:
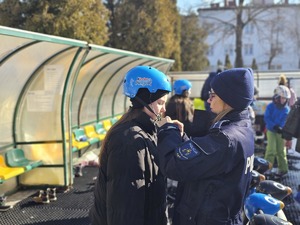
<point>187,151</point>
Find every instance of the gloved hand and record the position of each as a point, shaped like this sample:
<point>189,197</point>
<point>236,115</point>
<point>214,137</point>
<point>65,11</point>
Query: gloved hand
<point>277,129</point>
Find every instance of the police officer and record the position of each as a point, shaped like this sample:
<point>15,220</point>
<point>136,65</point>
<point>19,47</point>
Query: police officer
<point>214,170</point>
<point>130,189</point>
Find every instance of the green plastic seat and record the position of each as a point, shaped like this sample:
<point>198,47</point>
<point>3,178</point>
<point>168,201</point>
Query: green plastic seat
<point>16,158</point>
<point>114,120</point>
<point>99,128</point>
<point>81,136</point>
<point>74,149</point>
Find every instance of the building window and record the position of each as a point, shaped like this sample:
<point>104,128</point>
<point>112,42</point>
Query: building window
<point>210,51</point>
<point>248,48</point>
<point>228,28</point>
<point>229,50</point>
<point>210,28</point>
<point>276,48</point>
<point>249,28</point>
<point>276,67</point>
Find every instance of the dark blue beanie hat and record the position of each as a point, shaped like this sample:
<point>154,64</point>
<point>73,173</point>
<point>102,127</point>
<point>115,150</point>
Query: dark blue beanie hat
<point>235,87</point>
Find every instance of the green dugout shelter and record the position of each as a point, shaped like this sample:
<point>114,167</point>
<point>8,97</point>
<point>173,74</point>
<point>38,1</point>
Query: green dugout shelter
<point>50,86</point>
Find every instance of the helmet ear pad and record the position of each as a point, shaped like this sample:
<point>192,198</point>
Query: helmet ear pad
<point>146,97</point>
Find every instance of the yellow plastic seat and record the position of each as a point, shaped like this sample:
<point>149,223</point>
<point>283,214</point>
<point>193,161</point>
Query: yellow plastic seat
<point>107,124</point>
<point>80,135</point>
<point>8,172</point>
<point>77,145</point>
<point>91,132</point>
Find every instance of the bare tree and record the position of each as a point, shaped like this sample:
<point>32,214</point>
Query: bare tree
<point>294,31</point>
<point>238,15</point>
<point>272,33</point>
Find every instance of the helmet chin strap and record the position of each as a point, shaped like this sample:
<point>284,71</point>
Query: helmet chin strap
<point>158,116</point>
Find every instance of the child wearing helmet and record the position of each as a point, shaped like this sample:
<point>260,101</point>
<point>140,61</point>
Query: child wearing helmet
<point>130,188</point>
<point>283,80</point>
<point>275,117</point>
<point>180,106</point>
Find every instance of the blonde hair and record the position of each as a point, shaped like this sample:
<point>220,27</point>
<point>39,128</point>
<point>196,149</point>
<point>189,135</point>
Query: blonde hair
<point>282,80</point>
<point>222,114</point>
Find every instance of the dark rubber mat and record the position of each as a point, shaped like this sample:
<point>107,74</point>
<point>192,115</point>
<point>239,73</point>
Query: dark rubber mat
<point>292,207</point>
<point>71,208</point>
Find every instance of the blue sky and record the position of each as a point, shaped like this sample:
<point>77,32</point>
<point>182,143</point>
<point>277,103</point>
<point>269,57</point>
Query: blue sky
<point>185,5</point>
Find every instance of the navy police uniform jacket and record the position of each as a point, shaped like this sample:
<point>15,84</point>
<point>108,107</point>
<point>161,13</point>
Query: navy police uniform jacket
<point>130,189</point>
<point>214,171</point>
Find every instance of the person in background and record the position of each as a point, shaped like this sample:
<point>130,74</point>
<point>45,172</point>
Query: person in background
<point>275,117</point>
<point>291,144</point>
<point>252,105</point>
<point>213,171</point>
<point>291,129</point>
<point>284,81</point>
<point>180,106</point>
<point>130,189</point>
<point>206,87</point>
<point>259,134</point>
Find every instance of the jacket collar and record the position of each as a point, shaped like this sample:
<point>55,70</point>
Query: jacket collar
<point>236,115</point>
<point>146,123</point>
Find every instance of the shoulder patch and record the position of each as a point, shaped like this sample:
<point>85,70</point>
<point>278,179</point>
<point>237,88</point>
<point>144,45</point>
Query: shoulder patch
<point>187,151</point>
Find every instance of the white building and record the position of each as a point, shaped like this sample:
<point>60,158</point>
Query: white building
<point>271,34</point>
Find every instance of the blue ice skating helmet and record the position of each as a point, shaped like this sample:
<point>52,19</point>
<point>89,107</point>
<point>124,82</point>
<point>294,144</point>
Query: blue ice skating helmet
<point>181,85</point>
<point>145,77</point>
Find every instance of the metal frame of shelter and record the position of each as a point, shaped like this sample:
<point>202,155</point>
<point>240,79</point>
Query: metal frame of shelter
<point>50,85</point>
